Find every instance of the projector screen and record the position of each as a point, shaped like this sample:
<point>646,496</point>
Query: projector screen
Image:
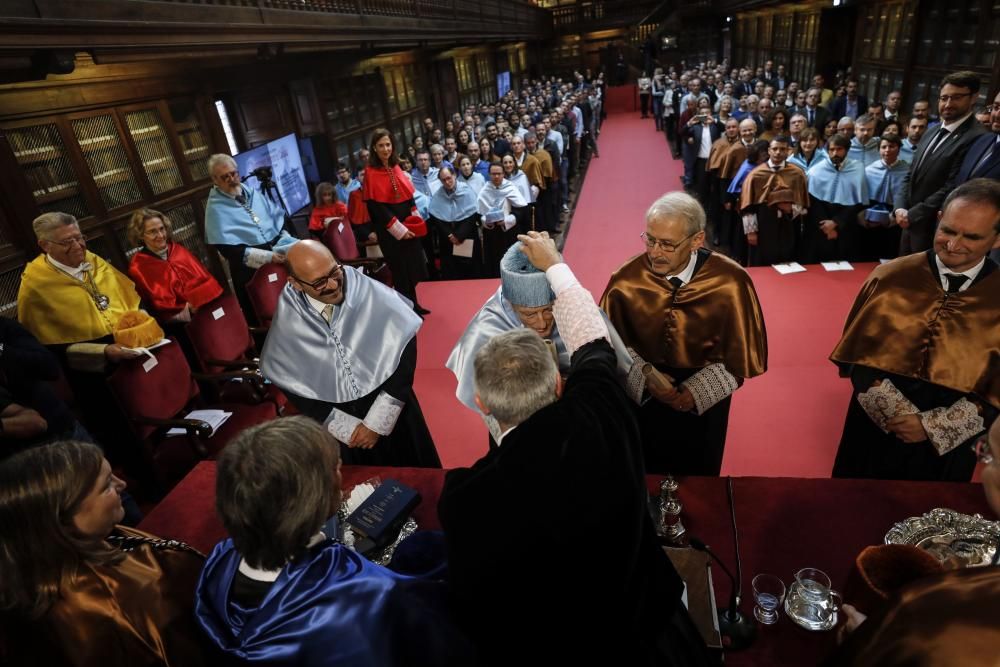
<point>503,83</point>
<point>282,155</point>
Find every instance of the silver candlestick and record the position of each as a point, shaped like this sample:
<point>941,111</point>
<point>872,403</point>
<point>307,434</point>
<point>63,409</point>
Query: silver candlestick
<point>670,526</point>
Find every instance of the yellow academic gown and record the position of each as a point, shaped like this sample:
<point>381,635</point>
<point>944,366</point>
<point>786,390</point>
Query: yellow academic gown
<point>59,309</point>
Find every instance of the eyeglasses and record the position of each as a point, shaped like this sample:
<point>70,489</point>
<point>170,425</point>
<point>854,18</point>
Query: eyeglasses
<point>229,174</point>
<point>69,242</point>
<point>318,284</point>
<point>162,231</point>
<point>984,454</point>
<point>956,97</point>
<point>665,246</point>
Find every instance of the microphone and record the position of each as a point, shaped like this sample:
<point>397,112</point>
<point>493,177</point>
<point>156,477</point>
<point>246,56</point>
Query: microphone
<point>733,625</point>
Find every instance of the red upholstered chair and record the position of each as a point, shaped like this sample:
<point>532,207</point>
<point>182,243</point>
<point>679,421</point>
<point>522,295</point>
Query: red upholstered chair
<point>222,342</point>
<point>264,289</point>
<point>339,238</point>
<point>156,398</point>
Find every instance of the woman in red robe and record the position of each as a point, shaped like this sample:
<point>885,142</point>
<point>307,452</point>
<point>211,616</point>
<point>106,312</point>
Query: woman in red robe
<point>327,209</point>
<point>388,194</point>
<point>170,280</point>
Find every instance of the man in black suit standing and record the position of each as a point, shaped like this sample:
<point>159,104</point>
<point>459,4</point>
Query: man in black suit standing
<point>983,158</point>
<point>816,116</point>
<point>937,161</point>
<point>852,104</point>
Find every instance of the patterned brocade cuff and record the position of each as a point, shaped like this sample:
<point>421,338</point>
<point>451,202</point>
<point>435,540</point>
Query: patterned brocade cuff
<point>87,357</point>
<point>383,414</point>
<point>635,382</point>
<point>255,258</point>
<point>397,229</point>
<point>578,318</point>
<point>750,223</point>
<point>709,386</point>
<point>949,427</point>
<point>341,425</point>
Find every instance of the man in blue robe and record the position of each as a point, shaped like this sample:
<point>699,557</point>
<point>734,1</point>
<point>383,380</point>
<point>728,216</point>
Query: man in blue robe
<point>346,184</point>
<point>283,590</point>
<point>864,145</point>
<point>453,216</point>
<point>343,348</point>
<point>246,226</point>
<point>838,192</point>
<point>878,238</point>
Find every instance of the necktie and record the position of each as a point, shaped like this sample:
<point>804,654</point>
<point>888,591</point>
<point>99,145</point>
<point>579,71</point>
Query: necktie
<point>328,312</point>
<point>812,117</point>
<point>955,282</point>
<point>242,199</point>
<point>934,145</point>
<point>676,282</point>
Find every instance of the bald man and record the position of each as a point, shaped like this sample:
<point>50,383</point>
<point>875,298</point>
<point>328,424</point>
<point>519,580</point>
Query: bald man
<point>343,347</point>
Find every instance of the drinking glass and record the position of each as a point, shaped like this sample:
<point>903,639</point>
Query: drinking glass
<point>768,593</point>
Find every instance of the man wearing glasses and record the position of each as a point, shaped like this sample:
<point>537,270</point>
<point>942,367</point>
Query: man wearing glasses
<point>343,348</point>
<point>937,161</point>
<point>921,346</point>
<point>694,327</point>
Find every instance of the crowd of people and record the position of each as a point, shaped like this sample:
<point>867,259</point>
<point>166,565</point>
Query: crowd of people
<point>575,393</point>
<point>798,171</point>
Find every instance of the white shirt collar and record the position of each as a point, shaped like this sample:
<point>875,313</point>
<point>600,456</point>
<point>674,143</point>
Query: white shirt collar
<point>688,271</point>
<point>971,273</point>
<point>76,273</point>
<point>317,305</point>
<point>951,127</point>
<point>504,435</point>
<point>775,166</point>
<point>272,575</point>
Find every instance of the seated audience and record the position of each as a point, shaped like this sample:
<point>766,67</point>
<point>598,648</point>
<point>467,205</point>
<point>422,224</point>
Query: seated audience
<point>534,495</point>
<point>329,208</point>
<point>281,591</point>
<point>75,588</point>
<point>172,282</point>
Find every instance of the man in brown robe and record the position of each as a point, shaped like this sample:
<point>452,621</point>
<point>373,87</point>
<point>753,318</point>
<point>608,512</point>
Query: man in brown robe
<point>692,315</point>
<point>939,620</point>
<point>719,156</point>
<point>921,346</point>
<point>773,200</point>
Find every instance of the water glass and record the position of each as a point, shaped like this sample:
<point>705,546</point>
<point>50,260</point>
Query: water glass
<point>768,593</point>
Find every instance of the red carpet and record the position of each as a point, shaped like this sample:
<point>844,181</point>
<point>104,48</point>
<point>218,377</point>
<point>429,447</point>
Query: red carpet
<point>784,423</point>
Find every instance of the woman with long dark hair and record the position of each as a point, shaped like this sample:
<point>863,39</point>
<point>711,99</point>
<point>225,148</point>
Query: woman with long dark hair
<point>389,194</point>
<point>75,587</point>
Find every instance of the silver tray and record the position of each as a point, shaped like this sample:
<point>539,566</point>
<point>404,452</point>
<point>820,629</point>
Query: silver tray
<point>957,540</point>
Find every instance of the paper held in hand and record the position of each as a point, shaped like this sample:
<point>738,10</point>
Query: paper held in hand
<point>463,249</point>
<point>214,418</point>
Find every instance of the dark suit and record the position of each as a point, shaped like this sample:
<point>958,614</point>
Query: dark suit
<point>971,167</point>
<point>699,177</point>
<point>930,180</point>
<point>820,119</point>
<point>742,88</point>
<point>838,107</point>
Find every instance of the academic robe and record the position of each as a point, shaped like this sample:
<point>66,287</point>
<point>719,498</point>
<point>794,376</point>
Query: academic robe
<point>389,194</point>
<point>568,480</point>
<point>717,185</point>
<point>865,154</point>
<point>715,318</point>
<point>731,226</point>
<point>838,195</point>
<point>59,309</point>
<point>935,347</point>
<point>454,213</point>
<point>877,242</point>
<point>320,213</point>
<point>167,285</point>
<point>329,607</point>
<point>497,240</point>
<point>369,348</point>
<point>777,234</point>
<point>137,612</point>
<point>938,621</point>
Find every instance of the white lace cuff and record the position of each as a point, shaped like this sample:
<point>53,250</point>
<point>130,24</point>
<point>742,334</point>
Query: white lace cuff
<point>798,210</point>
<point>949,427</point>
<point>398,230</point>
<point>750,223</point>
<point>884,402</point>
<point>255,258</point>
<point>341,425</point>
<point>635,381</point>
<point>383,413</point>
<point>709,386</point>
<point>578,318</point>
<point>508,222</point>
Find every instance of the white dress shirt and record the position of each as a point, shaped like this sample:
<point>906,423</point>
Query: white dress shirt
<point>944,271</point>
<point>76,273</point>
